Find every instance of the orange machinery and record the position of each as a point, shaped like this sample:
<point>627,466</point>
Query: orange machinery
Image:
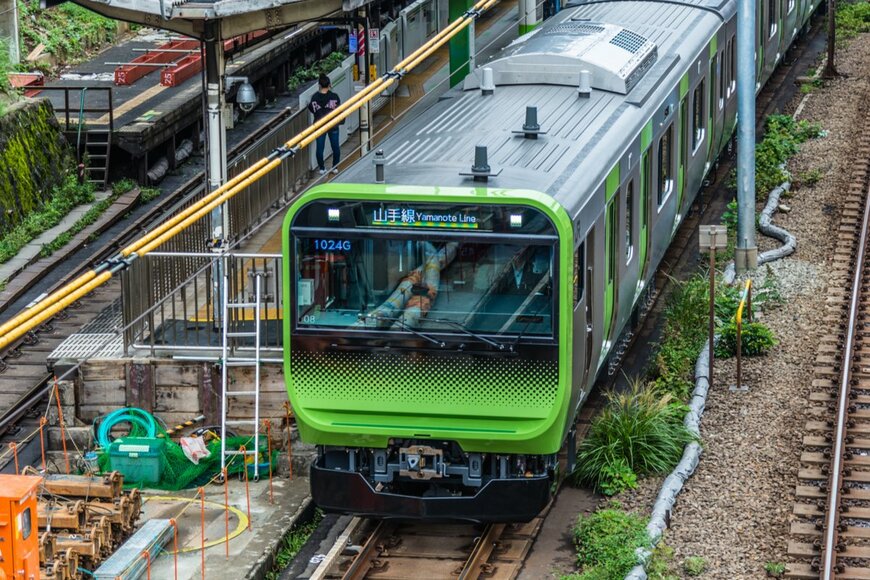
<point>19,540</point>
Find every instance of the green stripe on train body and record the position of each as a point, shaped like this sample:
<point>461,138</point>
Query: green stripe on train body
<point>518,429</point>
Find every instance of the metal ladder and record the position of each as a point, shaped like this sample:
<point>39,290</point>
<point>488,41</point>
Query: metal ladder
<point>229,359</point>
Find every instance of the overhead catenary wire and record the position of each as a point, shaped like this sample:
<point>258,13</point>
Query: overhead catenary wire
<point>53,304</point>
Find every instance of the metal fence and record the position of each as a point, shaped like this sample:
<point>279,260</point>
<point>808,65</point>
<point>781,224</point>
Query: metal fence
<point>184,267</point>
<point>191,315</point>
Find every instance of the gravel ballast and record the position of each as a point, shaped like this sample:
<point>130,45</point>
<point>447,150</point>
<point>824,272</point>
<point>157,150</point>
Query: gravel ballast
<point>735,511</point>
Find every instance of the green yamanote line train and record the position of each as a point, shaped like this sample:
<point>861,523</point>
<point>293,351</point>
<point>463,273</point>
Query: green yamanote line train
<point>443,329</point>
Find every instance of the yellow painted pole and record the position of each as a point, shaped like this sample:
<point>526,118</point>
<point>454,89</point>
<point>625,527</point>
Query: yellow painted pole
<point>86,283</point>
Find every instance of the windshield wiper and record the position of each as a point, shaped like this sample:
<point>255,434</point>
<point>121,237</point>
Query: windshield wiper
<point>465,330</point>
<point>404,326</point>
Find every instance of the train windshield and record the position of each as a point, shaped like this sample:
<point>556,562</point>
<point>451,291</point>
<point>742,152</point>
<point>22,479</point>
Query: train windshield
<point>403,279</point>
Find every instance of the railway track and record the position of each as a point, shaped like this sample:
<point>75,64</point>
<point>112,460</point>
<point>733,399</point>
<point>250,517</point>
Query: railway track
<point>831,530</point>
<point>24,377</point>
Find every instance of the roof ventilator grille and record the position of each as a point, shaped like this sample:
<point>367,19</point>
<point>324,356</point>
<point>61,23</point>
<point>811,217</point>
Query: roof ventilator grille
<point>628,40</point>
<point>574,29</point>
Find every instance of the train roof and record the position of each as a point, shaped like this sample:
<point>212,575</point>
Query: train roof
<point>636,51</point>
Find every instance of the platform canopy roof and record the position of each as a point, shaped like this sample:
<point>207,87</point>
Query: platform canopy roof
<point>236,17</point>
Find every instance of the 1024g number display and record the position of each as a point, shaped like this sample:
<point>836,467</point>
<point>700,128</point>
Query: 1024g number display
<point>332,245</point>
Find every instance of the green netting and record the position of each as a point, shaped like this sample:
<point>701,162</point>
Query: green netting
<point>178,472</point>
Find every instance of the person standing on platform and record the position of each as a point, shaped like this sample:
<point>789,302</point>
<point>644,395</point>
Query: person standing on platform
<point>322,103</point>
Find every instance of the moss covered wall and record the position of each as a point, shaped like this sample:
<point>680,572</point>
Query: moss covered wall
<point>34,156</point>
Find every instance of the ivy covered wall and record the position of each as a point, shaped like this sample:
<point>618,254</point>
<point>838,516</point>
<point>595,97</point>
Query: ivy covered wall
<point>34,157</point>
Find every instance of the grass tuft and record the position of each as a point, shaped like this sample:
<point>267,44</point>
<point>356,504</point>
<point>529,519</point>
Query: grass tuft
<point>606,542</point>
<point>639,432</point>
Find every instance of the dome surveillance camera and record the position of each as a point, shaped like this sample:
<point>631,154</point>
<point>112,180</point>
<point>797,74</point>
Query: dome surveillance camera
<point>246,98</point>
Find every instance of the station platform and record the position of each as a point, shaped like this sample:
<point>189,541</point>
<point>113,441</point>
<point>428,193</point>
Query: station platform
<point>147,114</point>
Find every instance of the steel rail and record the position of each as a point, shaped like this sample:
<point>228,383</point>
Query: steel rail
<point>362,564</point>
<point>51,305</point>
<point>477,560</point>
<point>835,482</point>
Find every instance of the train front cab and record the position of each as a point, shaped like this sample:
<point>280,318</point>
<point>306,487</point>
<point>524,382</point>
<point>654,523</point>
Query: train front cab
<point>428,347</point>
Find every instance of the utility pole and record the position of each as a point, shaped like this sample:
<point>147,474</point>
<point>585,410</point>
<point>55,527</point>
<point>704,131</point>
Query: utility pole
<point>365,112</point>
<point>217,151</point>
<point>830,70</point>
<point>216,125</point>
<point>746,253</point>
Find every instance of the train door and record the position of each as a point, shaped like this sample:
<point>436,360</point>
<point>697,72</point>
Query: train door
<point>610,253</point>
<point>683,166</point>
<point>717,101</point>
<point>582,323</point>
<point>644,204</point>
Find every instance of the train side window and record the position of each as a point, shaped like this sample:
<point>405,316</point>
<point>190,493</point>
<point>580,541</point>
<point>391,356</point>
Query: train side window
<point>579,269</point>
<point>665,166</point>
<point>698,116</point>
<point>629,221</point>
<point>791,4</point>
<point>720,78</point>
<point>732,65</point>
<point>771,17</point>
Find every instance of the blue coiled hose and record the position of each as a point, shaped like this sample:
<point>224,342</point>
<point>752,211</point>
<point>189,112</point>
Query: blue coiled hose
<point>131,415</point>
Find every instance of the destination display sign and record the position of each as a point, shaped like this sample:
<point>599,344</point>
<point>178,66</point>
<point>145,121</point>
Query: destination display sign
<point>426,218</point>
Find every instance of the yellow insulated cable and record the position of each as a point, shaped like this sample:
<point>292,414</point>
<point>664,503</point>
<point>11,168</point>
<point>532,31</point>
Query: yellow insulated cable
<point>42,305</point>
<point>86,283</point>
<point>53,309</point>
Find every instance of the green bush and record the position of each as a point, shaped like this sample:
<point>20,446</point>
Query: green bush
<point>123,186</point>
<point>685,331</point>
<point>304,74</point>
<point>149,194</point>
<point>6,67</point>
<point>606,542</point>
<point>292,543</point>
<point>67,31</point>
<point>756,339</point>
<point>64,198</point>
<point>695,565</point>
<point>659,565</point>
<point>775,569</point>
<point>617,477</point>
<point>783,134</point>
<point>853,18</point>
<point>638,430</point>
<point>729,216</point>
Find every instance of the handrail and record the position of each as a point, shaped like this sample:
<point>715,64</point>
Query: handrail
<point>50,306</point>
